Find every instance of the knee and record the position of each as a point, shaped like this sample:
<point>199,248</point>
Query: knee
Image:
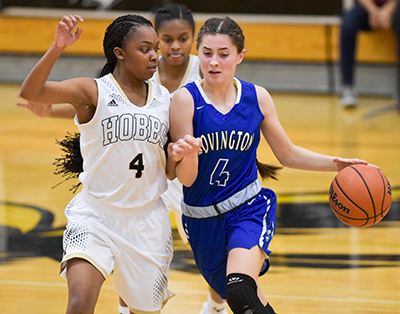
<point>78,305</point>
<point>241,294</point>
<point>348,31</point>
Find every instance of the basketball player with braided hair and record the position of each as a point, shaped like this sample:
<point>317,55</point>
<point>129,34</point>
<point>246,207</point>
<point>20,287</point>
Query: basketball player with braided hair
<point>118,222</point>
<point>175,26</point>
<point>230,219</point>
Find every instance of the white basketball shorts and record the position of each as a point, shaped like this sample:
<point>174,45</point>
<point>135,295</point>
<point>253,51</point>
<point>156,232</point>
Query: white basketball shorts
<point>136,244</point>
<point>172,198</point>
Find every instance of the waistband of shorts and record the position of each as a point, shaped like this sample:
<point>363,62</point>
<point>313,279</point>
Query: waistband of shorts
<point>100,206</point>
<point>231,203</point>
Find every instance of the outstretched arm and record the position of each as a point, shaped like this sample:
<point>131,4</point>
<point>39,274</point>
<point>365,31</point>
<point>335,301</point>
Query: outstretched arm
<point>80,92</point>
<point>288,154</point>
<point>65,111</point>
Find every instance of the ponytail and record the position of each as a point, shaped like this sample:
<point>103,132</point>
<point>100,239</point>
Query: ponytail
<point>70,165</point>
<point>268,171</point>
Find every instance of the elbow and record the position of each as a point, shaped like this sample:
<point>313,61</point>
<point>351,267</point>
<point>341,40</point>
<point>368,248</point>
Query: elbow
<point>284,160</point>
<point>186,183</point>
<point>287,158</point>
<point>25,94</point>
<point>186,180</point>
<point>171,176</point>
<point>285,163</point>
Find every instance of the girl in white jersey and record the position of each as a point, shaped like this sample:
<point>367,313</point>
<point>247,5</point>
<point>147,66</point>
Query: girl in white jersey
<point>175,27</point>
<point>118,222</point>
<point>228,216</point>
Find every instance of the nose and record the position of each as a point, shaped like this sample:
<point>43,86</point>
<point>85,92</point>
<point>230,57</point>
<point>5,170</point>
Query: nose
<point>175,45</point>
<point>214,61</point>
<point>154,56</point>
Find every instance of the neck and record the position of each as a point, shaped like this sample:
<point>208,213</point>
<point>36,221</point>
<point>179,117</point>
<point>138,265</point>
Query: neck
<point>127,81</point>
<point>175,71</point>
<point>223,96</point>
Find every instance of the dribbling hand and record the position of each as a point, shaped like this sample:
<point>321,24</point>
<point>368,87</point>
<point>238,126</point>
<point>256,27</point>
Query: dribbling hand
<point>342,163</point>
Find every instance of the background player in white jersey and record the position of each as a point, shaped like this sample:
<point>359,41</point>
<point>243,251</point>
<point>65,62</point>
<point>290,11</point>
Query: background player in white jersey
<point>175,27</point>
<point>229,218</point>
<point>118,222</point>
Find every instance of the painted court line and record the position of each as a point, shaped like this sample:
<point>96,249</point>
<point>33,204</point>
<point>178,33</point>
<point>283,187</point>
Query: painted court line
<point>194,292</point>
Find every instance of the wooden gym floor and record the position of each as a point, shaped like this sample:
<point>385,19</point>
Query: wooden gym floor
<point>318,264</point>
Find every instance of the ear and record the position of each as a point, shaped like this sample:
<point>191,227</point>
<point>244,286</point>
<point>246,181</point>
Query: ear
<point>119,53</point>
<point>241,56</point>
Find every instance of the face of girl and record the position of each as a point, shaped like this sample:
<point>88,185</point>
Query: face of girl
<point>218,57</point>
<point>176,40</point>
<point>140,53</point>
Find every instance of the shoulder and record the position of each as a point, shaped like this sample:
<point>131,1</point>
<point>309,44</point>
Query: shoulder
<point>182,95</point>
<point>88,86</point>
<point>262,94</point>
<point>265,100</point>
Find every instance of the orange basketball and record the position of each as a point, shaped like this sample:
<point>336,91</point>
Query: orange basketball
<point>360,195</point>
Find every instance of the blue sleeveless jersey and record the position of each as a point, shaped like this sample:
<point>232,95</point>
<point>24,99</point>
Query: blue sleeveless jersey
<point>227,163</point>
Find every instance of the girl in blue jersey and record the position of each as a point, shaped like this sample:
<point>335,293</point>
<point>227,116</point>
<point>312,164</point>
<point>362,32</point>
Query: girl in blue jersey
<point>228,217</point>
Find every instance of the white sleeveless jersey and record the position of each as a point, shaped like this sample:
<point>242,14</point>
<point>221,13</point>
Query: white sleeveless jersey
<point>123,147</point>
<point>192,73</point>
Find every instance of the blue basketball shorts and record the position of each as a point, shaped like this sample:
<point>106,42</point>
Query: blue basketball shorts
<point>211,239</point>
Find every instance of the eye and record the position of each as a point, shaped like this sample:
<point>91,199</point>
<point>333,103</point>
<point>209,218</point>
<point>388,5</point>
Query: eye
<point>184,39</point>
<point>167,40</point>
<point>145,50</point>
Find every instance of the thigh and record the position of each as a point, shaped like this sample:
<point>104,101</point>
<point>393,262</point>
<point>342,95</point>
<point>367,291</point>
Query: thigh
<point>84,283</point>
<point>142,265</point>
<point>86,238</point>
<point>208,240</point>
<point>396,24</point>
<point>246,261</point>
<point>356,19</point>
<point>254,223</point>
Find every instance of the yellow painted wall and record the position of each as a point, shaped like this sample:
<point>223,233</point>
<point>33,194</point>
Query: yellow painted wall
<point>264,41</point>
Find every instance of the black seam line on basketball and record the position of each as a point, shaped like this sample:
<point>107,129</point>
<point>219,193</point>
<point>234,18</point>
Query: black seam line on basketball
<point>384,191</point>
<point>337,184</point>
<point>369,192</point>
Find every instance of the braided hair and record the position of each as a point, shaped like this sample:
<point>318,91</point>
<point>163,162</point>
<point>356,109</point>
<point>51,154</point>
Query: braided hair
<point>229,27</point>
<point>116,33</point>
<point>173,11</point>
<point>70,165</point>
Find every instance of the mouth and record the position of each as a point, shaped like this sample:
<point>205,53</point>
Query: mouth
<point>153,68</point>
<point>175,55</point>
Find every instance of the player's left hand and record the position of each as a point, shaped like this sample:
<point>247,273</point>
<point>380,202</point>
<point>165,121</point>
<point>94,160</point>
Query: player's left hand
<point>345,162</point>
<point>188,147</point>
